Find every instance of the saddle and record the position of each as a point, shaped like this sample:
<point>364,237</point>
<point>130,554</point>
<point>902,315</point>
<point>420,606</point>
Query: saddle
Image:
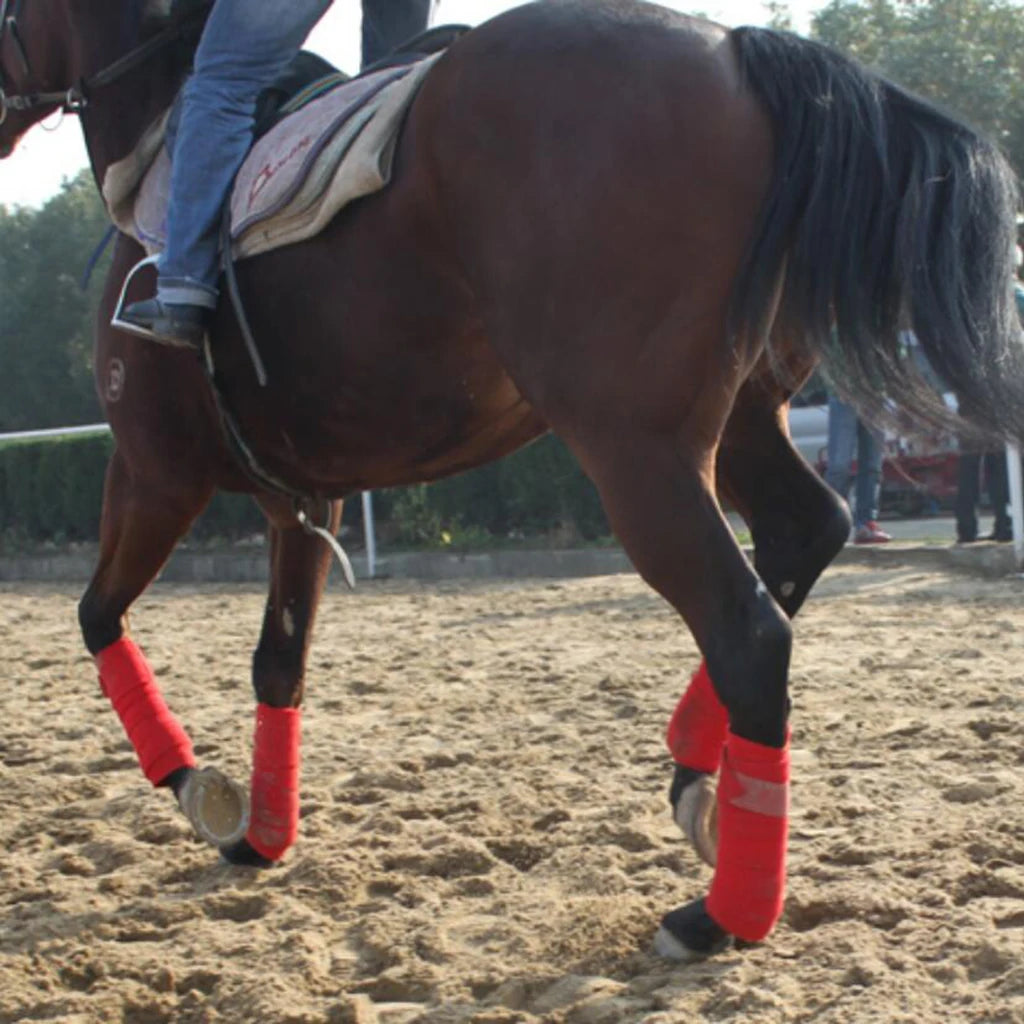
<point>332,142</point>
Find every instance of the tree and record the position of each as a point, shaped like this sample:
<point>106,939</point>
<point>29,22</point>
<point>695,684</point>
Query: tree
<point>965,55</point>
<point>46,330</point>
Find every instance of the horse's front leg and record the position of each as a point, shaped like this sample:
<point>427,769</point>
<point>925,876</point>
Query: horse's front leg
<point>141,521</point>
<point>299,564</point>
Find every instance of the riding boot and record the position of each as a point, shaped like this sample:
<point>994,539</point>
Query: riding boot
<point>177,324</point>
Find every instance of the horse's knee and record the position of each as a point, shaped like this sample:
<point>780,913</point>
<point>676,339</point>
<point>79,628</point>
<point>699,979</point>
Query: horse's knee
<point>750,668</point>
<point>99,629</point>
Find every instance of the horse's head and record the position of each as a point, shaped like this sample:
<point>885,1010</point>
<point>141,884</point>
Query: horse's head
<point>36,69</point>
<point>117,60</point>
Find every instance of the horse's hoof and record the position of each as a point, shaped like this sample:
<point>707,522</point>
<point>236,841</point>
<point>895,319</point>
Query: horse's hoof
<point>689,934</point>
<point>217,807</point>
<point>241,854</point>
<point>696,813</point>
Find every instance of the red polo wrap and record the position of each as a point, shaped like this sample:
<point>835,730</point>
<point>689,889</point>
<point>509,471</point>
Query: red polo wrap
<point>696,731</point>
<point>274,804</point>
<point>753,816</point>
<point>160,742</point>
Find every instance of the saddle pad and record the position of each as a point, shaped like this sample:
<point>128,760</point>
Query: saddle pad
<point>297,177</point>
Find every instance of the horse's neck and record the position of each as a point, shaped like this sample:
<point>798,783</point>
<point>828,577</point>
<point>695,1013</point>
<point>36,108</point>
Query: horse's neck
<point>117,116</point>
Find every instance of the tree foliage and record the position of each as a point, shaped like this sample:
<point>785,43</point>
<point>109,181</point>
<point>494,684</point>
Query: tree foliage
<point>47,319</point>
<point>965,55</point>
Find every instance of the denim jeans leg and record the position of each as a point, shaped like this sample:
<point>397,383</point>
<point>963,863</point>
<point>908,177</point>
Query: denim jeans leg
<point>389,23</point>
<point>870,450</point>
<point>997,485</point>
<point>842,441</point>
<point>244,46</point>
<point>968,486</point>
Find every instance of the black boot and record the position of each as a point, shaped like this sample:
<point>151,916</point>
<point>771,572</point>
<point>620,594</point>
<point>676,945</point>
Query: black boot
<point>169,323</point>
<point>1002,532</point>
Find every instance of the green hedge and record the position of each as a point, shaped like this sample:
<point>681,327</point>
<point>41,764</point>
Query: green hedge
<point>51,490</point>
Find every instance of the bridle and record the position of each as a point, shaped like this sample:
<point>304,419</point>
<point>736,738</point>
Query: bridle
<point>75,98</point>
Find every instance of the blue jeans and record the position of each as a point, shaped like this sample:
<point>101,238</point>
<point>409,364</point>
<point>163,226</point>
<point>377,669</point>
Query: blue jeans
<point>847,435</point>
<point>245,45</point>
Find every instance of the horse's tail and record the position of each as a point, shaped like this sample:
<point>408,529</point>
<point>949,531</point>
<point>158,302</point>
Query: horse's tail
<point>884,214</point>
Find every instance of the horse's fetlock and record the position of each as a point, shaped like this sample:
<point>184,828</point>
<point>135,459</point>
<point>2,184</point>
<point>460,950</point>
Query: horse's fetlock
<point>277,675</point>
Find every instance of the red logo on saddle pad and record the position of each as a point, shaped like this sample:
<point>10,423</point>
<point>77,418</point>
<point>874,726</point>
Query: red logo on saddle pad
<point>266,173</point>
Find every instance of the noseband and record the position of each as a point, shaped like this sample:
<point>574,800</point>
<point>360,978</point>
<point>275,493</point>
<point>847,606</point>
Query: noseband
<point>75,98</point>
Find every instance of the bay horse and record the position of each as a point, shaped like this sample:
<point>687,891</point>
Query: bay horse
<point>636,229</point>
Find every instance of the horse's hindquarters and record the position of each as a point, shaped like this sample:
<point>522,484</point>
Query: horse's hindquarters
<point>600,188</point>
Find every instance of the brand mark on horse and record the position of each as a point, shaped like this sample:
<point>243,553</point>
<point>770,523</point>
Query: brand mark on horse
<point>115,380</point>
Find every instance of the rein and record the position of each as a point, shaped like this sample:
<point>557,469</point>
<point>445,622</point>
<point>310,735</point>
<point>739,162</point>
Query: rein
<point>75,98</point>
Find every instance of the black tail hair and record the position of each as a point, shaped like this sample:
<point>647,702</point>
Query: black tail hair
<point>884,214</point>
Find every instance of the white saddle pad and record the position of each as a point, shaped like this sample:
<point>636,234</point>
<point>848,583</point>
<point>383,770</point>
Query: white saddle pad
<point>336,148</point>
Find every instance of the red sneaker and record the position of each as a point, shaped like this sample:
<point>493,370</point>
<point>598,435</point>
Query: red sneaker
<point>871,533</point>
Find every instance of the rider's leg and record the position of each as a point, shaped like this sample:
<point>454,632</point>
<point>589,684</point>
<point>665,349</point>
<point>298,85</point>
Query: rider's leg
<point>245,46</point>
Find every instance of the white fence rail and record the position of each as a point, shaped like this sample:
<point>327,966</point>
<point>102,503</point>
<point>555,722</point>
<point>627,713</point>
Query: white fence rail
<point>369,534</point>
<point>38,435</point>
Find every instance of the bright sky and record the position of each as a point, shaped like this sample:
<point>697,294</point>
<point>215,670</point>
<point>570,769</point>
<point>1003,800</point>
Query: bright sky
<point>54,151</point>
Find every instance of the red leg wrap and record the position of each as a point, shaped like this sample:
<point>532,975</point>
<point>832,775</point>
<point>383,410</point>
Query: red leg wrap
<point>753,815</point>
<point>160,742</point>
<point>274,805</point>
<point>696,732</point>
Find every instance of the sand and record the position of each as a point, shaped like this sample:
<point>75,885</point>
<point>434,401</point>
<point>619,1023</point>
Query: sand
<point>485,834</point>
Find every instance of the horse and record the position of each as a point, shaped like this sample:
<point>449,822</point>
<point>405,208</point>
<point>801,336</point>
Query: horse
<point>633,228</point>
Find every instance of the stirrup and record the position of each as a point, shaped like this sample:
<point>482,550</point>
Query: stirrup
<point>115,320</point>
<point>161,327</point>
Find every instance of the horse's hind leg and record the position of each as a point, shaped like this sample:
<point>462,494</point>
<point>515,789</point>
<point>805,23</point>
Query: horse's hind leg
<point>657,487</point>
<point>299,564</point>
<point>140,524</point>
<point>797,522</point>
<point>798,525</point>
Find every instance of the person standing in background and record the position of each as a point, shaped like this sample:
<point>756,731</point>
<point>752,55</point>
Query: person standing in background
<point>972,464</point>
<point>849,436</point>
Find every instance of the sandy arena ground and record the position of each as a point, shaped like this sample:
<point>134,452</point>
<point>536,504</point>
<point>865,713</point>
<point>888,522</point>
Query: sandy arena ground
<point>485,835</point>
